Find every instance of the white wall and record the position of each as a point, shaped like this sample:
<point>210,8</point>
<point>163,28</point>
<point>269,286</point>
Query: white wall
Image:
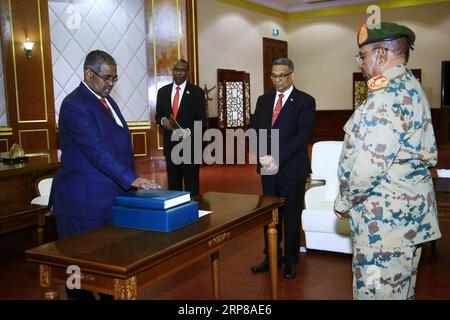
<point>231,38</point>
<point>115,26</point>
<point>323,49</point>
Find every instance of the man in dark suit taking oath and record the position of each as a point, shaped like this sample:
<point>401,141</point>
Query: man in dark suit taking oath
<point>97,160</point>
<point>184,102</point>
<point>292,113</point>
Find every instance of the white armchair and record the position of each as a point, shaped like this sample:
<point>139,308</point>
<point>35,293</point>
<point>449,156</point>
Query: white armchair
<point>323,230</point>
<point>44,186</point>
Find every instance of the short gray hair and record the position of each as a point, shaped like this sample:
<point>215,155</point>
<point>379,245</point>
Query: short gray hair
<point>284,62</point>
<point>399,47</point>
<point>96,58</point>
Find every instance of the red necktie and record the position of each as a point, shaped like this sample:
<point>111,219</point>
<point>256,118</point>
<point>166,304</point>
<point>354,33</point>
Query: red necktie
<point>176,101</point>
<point>103,100</point>
<point>277,109</point>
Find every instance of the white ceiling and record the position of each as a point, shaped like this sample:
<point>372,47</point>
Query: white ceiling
<point>305,5</point>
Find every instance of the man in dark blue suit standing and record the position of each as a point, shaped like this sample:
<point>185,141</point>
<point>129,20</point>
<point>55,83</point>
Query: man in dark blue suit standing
<point>97,158</point>
<point>292,113</point>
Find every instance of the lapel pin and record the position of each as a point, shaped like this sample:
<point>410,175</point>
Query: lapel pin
<point>291,99</point>
<point>188,92</point>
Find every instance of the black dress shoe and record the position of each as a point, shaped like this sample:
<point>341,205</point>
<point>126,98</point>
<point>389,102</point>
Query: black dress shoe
<point>290,270</point>
<point>263,266</point>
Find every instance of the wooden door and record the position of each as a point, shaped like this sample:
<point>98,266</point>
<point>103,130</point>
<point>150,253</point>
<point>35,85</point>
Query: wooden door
<point>272,50</point>
<point>234,106</point>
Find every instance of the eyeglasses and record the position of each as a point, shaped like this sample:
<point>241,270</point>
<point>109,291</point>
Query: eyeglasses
<point>360,56</point>
<point>280,76</point>
<point>106,78</point>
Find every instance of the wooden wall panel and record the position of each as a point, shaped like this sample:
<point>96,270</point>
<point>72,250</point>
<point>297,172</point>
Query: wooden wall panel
<point>31,102</point>
<point>139,141</point>
<point>29,83</point>
<point>4,145</point>
<point>34,140</point>
<point>6,136</point>
<point>329,124</point>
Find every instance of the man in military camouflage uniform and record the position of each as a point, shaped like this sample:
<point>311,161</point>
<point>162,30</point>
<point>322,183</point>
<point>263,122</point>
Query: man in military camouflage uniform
<point>386,189</point>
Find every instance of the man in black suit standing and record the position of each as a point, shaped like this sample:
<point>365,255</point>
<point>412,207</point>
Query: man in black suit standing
<point>292,113</point>
<point>186,103</point>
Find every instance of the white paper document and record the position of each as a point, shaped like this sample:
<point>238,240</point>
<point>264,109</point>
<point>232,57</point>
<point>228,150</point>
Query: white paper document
<point>202,213</point>
<point>443,173</point>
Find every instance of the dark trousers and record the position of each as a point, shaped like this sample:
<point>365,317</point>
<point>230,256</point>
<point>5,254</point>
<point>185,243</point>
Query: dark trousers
<point>187,173</point>
<point>67,226</point>
<point>293,191</point>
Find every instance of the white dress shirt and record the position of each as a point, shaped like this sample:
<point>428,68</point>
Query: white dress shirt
<point>286,95</point>
<point>116,117</point>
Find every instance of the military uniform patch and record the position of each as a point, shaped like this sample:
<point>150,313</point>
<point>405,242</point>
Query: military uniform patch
<point>363,34</point>
<point>377,83</point>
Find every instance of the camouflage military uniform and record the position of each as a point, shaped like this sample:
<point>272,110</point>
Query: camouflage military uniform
<point>385,184</point>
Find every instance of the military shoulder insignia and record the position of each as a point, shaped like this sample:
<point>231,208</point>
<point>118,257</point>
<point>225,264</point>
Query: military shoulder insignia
<point>363,34</point>
<point>377,83</point>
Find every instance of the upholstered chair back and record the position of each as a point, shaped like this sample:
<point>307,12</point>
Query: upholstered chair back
<point>324,164</point>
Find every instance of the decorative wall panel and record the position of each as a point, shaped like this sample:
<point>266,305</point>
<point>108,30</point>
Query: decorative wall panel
<point>28,77</point>
<point>171,35</point>
<point>115,26</point>
<point>4,145</point>
<point>139,140</point>
<point>235,104</point>
<point>34,140</point>
<point>3,113</point>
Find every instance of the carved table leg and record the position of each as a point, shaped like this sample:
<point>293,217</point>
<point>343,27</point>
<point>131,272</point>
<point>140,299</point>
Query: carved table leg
<point>40,229</point>
<point>215,269</point>
<point>125,289</point>
<point>45,279</point>
<point>273,258</point>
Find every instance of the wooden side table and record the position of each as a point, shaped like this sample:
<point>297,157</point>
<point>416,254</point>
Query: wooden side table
<point>442,189</point>
<point>16,216</point>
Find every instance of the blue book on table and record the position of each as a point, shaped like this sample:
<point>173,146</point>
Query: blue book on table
<point>154,219</point>
<point>153,199</point>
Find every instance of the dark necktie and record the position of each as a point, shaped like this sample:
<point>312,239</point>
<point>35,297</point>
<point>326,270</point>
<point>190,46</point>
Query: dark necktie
<point>277,109</point>
<point>176,101</point>
<point>103,100</point>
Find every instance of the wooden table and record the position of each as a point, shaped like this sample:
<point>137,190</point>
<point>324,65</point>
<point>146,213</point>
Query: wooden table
<point>121,261</point>
<point>17,216</point>
<point>442,189</point>
<point>17,180</point>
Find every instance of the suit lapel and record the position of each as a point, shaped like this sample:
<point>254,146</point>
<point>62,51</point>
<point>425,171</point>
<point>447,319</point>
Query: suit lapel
<point>269,110</point>
<point>92,100</point>
<point>119,114</point>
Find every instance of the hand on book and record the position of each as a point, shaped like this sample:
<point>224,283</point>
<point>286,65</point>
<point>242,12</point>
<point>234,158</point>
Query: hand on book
<point>144,183</point>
